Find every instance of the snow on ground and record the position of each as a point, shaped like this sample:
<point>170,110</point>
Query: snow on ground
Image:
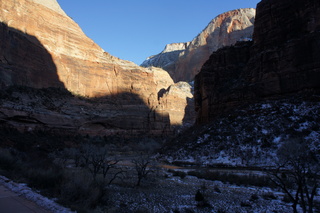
<point>175,194</point>
<point>251,136</point>
<point>23,190</point>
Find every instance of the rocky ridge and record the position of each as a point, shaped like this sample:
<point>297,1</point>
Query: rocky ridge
<point>224,30</point>
<point>42,47</point>
<point>282,59</point>
<point>255,96</point>
<point>167,58</point>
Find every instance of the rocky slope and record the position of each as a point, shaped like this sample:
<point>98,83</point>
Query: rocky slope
<point>42,47</point>
<point>282,59</point>
<point>224,30</point>
<point>250,135</point>
<point>255,96</point>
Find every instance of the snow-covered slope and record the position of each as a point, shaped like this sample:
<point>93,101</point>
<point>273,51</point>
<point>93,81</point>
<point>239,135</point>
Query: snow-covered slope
<point>251,135</point>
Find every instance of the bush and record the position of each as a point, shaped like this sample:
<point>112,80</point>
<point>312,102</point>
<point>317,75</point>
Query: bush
<point>286,199</point>
<point>181,174</point>
<point>7,161</point>
<point>44,178</point>
<point>245,204</point>
<point>254,197</point>
<point>216,189</point>
<point>199,196</point>
<point>80,193</point>
<point>269,196</point>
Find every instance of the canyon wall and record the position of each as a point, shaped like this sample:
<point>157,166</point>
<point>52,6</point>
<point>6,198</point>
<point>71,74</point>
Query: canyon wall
<point>224,30</point>
<point>284,58</point>
<point>42,47</point>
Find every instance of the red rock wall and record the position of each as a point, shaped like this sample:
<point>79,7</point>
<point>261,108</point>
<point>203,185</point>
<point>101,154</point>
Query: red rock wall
<point>42,47</point>
<point>284,58</point>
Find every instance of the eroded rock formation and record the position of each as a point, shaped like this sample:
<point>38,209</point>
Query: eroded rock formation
<point>42,47</point>
<point>283,58</point>
<point>167,58</point>
<point>224,30</point>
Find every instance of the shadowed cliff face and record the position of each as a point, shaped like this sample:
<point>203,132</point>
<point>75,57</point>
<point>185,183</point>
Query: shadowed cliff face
<point>27,103</point>
<point>24,61</point>
<point>282,59</point>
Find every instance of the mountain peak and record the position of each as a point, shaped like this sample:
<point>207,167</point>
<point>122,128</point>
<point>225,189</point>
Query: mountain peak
<point>51,4</point>
<point>184,60</point>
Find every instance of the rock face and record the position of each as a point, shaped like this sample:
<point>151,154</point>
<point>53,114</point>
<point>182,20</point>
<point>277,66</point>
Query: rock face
<point>173,99</point>
<point>42,47</point>
<point>285,55</point>
<point>282,59</point>
<point>224,30</point>
<point>167,58</point>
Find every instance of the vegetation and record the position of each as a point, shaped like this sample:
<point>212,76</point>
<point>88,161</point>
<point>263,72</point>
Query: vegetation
<point>74,169</point>
<point>141,165</point>
<point>297,173</point>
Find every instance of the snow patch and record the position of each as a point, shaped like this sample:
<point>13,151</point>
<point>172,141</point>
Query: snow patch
<point>23,190</point>
<point>265,106</point>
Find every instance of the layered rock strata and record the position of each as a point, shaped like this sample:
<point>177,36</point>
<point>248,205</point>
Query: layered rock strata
<point>282,59</point>
<point>167,58</point>
<point>224,30</point>
<point>42,47</point>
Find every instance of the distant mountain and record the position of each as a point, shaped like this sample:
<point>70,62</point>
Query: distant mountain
<point>184,60</point>
<point>168,57</point>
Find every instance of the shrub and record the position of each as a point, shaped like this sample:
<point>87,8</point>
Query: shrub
<point>181,174</point>
<point>254,197</point>
<point>286,199</point>
<point>80,192</point>
<point>44,178</point>
<point>199,196</point>
<point>216,189</point>
<point>269,196</point>
<point>7,161</point>
<point>245,204</point>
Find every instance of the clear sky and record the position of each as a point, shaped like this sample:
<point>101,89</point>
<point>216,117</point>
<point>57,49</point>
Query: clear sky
<point>136,29</point>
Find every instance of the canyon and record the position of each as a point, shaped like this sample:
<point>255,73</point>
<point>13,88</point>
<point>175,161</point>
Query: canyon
<point>69,112</point>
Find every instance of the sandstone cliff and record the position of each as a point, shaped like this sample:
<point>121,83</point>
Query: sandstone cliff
<point>282,59</point>
<point>167,58</point>
<point>42,47</point>
<point>224,30</point>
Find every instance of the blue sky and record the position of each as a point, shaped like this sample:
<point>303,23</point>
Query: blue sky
<point>135,29</point>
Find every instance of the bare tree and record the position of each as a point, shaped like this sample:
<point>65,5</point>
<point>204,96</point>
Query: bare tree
<point>107,166</point>
<point>141,164</point>
<point>97,160</point>
<point>297,173</point>
<point>94,157</point>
